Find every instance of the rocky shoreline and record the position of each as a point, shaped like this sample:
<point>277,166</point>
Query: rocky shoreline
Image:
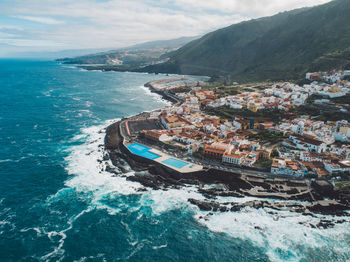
<point>318,197</point>
<point>166,95</point>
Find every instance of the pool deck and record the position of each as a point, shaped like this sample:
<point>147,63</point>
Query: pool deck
<point>191,167</point>
<point>186,169</point>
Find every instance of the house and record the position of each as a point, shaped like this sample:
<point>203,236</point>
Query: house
<point>264,154</point>
<point>266,125</point>
<point>308,144</point>
<point>336,167</point>
<point>287,167</point>
<point>309,157</point>
<point>193,100</point>
<point>158,135</point>
<point>312,76</point>
<point>345,130</point>
<point>251,158</point>
<point>241,124</point>
<point>217,150</point>
<point>236,106</point>
<point>153,135</point>
<point>235,159</point>
<point>200,95</point>
<point>173,121</point>
<point>321,172</point>
<point>253,108</point>
<point>213,152</point>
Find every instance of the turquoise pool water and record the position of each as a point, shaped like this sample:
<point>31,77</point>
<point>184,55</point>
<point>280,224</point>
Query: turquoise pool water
<point>142,150</point>
<point>175,163</point>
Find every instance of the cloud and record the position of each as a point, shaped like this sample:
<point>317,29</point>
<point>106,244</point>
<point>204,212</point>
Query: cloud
<point>251,8</point>
<point>118,23</point>
<point>38,19</point>
<point>28,42</point>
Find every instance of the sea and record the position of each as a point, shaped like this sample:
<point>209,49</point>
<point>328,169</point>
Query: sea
<point>58,204</point>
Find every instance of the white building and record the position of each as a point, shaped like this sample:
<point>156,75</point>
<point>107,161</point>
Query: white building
<point>235,159</point>
<point>310,144</point>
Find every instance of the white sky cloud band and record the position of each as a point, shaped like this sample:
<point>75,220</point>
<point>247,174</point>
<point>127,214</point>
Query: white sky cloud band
<point>117,23</point>
<point>43,20</point>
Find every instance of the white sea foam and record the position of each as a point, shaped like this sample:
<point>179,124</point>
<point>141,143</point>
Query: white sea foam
<point>159,247</point>
<point>48,93</point>
<point>7,218</point>
<point>156,96</point>
<point>6,160</point>
<point>12,160</point>
<point>164,200</point>
<point>88,175</point>
<point>89,103</point>
<point>71,67</point>
<point>289,234</point>
<point>284,237</point>
<point>58,251</point>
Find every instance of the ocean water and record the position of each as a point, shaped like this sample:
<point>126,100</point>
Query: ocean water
<point>57,203</point>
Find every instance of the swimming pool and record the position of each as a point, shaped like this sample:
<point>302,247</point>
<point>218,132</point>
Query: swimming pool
<point>175,163</point>
<point>142,150</point>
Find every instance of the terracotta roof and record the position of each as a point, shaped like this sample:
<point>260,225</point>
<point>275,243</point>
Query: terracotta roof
<point>212,149</point>
<point>236,156</point>
<point>322,172</point>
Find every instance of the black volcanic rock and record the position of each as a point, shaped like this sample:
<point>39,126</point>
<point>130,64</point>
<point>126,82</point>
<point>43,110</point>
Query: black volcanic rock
<point>328,207</point>
<point>206,205</point>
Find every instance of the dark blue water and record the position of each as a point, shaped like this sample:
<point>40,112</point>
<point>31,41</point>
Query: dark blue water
<point>57,203</point>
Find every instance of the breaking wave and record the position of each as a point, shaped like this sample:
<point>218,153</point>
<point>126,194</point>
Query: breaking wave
<point>284,236</point>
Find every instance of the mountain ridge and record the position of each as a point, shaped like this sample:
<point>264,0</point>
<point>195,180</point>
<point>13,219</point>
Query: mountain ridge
<point>283,46</point>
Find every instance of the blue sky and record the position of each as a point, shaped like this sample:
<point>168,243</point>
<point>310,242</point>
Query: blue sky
<point>52,25</point>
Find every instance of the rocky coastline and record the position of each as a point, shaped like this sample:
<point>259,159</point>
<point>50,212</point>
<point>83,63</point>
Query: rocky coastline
<point>299,196</point>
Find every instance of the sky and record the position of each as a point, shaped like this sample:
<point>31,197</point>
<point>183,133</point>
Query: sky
<point>53,25</point>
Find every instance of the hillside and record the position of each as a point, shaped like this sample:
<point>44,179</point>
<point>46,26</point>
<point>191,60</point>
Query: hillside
<point>284,46</point>
<point>133,56</point>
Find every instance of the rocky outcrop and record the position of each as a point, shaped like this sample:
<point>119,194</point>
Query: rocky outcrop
<point>323,187</point>
<point>113,137</point>
<point>321,207</point>
<point>329,207</point>
<point>208,206</point>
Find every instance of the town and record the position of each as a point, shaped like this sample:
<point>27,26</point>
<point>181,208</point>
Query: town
<point>259,127</point>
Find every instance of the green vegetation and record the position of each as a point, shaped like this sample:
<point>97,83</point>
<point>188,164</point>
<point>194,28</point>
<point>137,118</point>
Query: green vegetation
<point>281,47</point>
<point>339,143</point>
<point>267,136</point>
<point>229,113</point>
<point>323,113</point>
<point>263,163</point>
<point>344,185</point>
<point>183,89</point>
<point>223,91</point>
<point>311,99</point>
<point>342,100</point>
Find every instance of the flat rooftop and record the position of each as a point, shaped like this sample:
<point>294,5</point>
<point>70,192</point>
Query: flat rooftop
<point>135,126</point>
